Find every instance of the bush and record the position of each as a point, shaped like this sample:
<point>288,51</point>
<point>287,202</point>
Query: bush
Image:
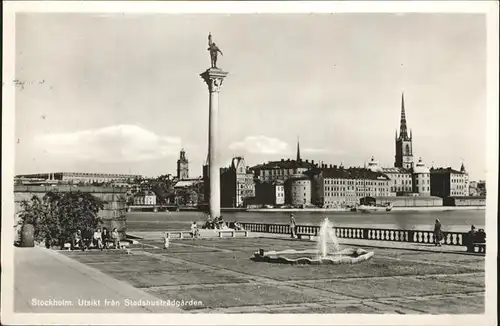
<point>57,216</point>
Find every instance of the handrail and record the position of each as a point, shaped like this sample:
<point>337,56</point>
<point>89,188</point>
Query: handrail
<point>412,236</point>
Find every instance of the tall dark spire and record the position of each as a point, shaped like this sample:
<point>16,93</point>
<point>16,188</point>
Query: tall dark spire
<point>403,130</point>
<point>298,149</point>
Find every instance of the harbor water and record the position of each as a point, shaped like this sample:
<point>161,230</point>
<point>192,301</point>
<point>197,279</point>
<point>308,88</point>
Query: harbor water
<point>453,220</point>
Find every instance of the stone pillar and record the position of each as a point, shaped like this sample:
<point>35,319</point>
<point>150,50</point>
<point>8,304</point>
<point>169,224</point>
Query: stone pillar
<point>214,78</point>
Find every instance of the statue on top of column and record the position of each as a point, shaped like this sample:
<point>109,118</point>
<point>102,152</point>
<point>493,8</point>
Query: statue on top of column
<point>214,50</point>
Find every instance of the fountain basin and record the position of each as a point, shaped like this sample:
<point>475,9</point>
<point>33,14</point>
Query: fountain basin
<point>313,257</point>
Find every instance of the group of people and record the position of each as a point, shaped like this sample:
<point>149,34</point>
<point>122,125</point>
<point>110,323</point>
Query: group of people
<point>216,223</point>
<point>95,238</point>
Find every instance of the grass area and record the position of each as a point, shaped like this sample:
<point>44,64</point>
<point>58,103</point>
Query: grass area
<point>220,273</point>
<point>448,306</point>
<point>390,287</point>
<point>377,266</point>
<point>241,295</point>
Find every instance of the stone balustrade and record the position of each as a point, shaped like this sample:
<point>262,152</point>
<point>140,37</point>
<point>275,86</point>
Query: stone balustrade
<point>412,236</point>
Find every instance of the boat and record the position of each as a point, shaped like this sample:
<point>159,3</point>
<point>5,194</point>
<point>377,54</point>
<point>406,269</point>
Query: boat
<point>374,208</point>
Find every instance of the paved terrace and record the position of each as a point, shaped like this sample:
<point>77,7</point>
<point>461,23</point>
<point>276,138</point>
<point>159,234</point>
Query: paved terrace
<point>408,279</point>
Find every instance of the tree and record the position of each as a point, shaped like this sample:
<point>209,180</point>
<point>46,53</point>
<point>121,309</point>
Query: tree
<point>57,215</point>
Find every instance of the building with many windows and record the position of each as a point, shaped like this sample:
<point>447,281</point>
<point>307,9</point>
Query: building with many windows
<point>421,179</point>
<point>145,197</point>
<point>237,184</point>
<point>401,181</point>
<point>335,187</point>
<point>447,182</point>
<point>299,190</point>
<point>270,193</point>
<point>79,177</point>
<point>283,169</point>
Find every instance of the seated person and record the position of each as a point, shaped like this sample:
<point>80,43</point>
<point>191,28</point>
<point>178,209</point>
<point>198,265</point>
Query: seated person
<point>194,230</point>
<point>237,226</point>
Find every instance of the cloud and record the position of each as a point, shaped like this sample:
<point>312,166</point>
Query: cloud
<point>261,145</point>
<point>322,151</point>
<point>109,144</point>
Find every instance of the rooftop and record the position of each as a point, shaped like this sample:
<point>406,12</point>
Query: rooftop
<point>445,170</point>
<point>285,164</point>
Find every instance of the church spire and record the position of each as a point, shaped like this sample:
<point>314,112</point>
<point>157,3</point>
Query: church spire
<point>403,131</point>
<point>298,150</point>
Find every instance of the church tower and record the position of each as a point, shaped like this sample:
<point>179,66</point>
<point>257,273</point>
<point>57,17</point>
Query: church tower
<point>404,148</point>
<point>182,166</point>
<point>298,151</point>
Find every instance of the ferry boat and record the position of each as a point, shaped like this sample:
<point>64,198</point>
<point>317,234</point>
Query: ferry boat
<point>374,208</point>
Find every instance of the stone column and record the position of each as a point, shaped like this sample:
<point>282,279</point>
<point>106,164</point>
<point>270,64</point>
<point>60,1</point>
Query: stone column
<point>214,78</point>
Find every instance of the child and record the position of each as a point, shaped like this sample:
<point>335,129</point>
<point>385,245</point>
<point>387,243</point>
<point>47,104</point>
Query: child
<point>166,241</point>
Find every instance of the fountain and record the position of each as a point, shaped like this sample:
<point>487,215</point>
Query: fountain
<point>327,252</point>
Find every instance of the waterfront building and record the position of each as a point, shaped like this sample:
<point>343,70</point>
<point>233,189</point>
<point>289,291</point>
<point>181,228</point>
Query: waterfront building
<point>77,177</point>
<point>299,190</point>
<point>447,182</point>
<point>237,184</point>
<point>145,197</point>
<point>182,166</point>
<point>335,187</point>
<point>404,145</point>
<point>270,193</point>
<point>282,169</point>
<point>401,179</point>
<point>421,179</point>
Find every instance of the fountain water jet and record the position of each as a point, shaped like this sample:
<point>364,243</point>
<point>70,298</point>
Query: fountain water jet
<point>327,252</point>
<point>328,244</point>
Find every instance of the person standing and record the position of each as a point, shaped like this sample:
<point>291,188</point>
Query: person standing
<point>438,233</point>
<point>105,238</point>
<point>115,236</point>
<point>293,226</point>
<point>471,237</point>
<point>166,241</point>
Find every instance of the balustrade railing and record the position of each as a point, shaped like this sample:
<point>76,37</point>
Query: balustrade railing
<point>413,236</point>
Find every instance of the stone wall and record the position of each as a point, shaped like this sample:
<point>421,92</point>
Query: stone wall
<point>113,213</point>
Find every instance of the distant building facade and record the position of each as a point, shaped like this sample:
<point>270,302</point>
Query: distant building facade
<point>335,187</point>
<point>270,193</point>
<point>237,184</point>
<point>421,179</point>
<point>401,179</point>
<point>182,166</point>
<point>447,182</point>
<point>283,169</point>
<point>299,190</point>
<point>146,197</point>
<point>77,177</point>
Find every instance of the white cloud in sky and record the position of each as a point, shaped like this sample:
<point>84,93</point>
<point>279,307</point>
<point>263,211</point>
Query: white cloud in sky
<point>322,151</point>
<point>261,145</point>
<point>109,144</point>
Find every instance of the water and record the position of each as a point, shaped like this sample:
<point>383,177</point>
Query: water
<point>453,221</point>
<point>328,244</point>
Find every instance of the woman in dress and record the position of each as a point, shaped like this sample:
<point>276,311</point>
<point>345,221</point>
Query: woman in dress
<point>438,234</point>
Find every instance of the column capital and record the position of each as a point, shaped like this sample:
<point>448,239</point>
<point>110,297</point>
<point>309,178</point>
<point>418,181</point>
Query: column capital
<point>214,77</point>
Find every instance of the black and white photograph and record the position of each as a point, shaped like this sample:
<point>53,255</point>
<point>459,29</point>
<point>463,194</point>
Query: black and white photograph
<point>228,163</point>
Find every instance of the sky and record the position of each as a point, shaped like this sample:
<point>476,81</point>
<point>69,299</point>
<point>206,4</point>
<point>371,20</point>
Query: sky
<point>121,93</point>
